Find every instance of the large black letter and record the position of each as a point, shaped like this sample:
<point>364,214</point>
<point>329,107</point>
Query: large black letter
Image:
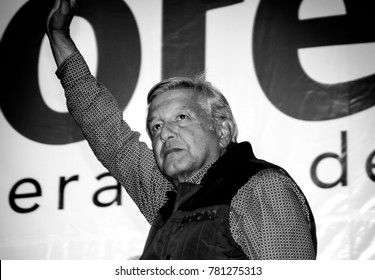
<point>184,33</point>
<point>278,34</point>
<point>118,66</point>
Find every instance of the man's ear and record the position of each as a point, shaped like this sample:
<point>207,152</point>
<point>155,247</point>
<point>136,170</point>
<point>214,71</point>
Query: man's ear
<point>226,131</point>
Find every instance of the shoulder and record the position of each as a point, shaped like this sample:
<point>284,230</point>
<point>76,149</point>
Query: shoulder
<point>271,190</point>
<point>268,179</point>
<point>271,185</point>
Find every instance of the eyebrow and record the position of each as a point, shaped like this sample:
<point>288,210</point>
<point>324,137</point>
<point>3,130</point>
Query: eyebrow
<point>150,118</point>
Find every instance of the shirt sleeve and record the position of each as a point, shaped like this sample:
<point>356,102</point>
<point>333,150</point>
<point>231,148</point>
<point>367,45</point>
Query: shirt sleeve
<point>270,218</point>
<point>117,147</point>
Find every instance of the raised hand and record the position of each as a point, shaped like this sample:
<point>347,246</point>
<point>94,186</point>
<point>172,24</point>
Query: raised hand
<point>58,26</point>
<point>60,16</point>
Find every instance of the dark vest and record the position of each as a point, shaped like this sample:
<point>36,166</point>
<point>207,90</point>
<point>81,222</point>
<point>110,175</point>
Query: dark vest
<point>194,223</point>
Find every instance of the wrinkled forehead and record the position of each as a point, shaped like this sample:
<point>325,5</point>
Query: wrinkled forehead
<point>175,97</point>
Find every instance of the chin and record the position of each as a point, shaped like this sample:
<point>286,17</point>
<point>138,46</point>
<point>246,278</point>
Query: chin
<point>176,172</point>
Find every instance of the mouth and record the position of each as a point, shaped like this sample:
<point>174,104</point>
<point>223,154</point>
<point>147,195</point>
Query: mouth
<point>170,151</point>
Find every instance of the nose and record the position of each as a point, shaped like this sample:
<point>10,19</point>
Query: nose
<point>168,132</point>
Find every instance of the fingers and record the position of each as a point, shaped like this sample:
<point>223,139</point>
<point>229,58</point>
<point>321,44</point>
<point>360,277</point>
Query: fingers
<point>56,6</point>
<point>65,6</point>
<point>61,15</point>
<point>73,5</point>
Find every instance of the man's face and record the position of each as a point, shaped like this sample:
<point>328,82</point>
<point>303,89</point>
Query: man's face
<point>183,138</point>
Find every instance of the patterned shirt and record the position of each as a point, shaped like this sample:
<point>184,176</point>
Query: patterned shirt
<point>269,216</point>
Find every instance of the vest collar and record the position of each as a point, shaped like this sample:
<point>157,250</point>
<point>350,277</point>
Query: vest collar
<point>229,162</point>
<point>236,154</point>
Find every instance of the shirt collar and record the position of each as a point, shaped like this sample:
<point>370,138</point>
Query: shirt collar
<point>198,176</point>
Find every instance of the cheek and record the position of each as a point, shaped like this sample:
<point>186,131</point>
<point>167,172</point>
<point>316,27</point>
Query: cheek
<point>156,148</point>
<point>201,143</point>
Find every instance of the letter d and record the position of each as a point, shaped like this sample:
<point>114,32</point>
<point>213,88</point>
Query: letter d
<point>343,162</point>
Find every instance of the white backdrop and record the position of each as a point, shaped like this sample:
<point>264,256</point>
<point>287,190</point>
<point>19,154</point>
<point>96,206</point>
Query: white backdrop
<point>82,230</point>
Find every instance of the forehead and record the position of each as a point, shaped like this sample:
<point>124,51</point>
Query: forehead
<point>175,97</point>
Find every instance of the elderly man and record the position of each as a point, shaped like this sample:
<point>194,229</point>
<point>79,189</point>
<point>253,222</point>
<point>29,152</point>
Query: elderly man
<point>205,195</point>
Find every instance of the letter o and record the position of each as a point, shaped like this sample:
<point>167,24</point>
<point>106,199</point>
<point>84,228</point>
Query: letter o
<point>20,99</point>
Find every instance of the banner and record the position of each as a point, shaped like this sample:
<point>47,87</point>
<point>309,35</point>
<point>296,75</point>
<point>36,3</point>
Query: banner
<point>298,74</point>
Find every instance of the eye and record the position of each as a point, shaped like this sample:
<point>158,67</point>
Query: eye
<point>181,117</point>
<point>155,128</point>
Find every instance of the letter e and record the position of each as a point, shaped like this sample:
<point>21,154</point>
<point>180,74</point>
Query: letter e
<point>13,195</point>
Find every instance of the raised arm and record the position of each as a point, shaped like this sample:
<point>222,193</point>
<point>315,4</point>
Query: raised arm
<point>97,114</point>
<point>58,29</point>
